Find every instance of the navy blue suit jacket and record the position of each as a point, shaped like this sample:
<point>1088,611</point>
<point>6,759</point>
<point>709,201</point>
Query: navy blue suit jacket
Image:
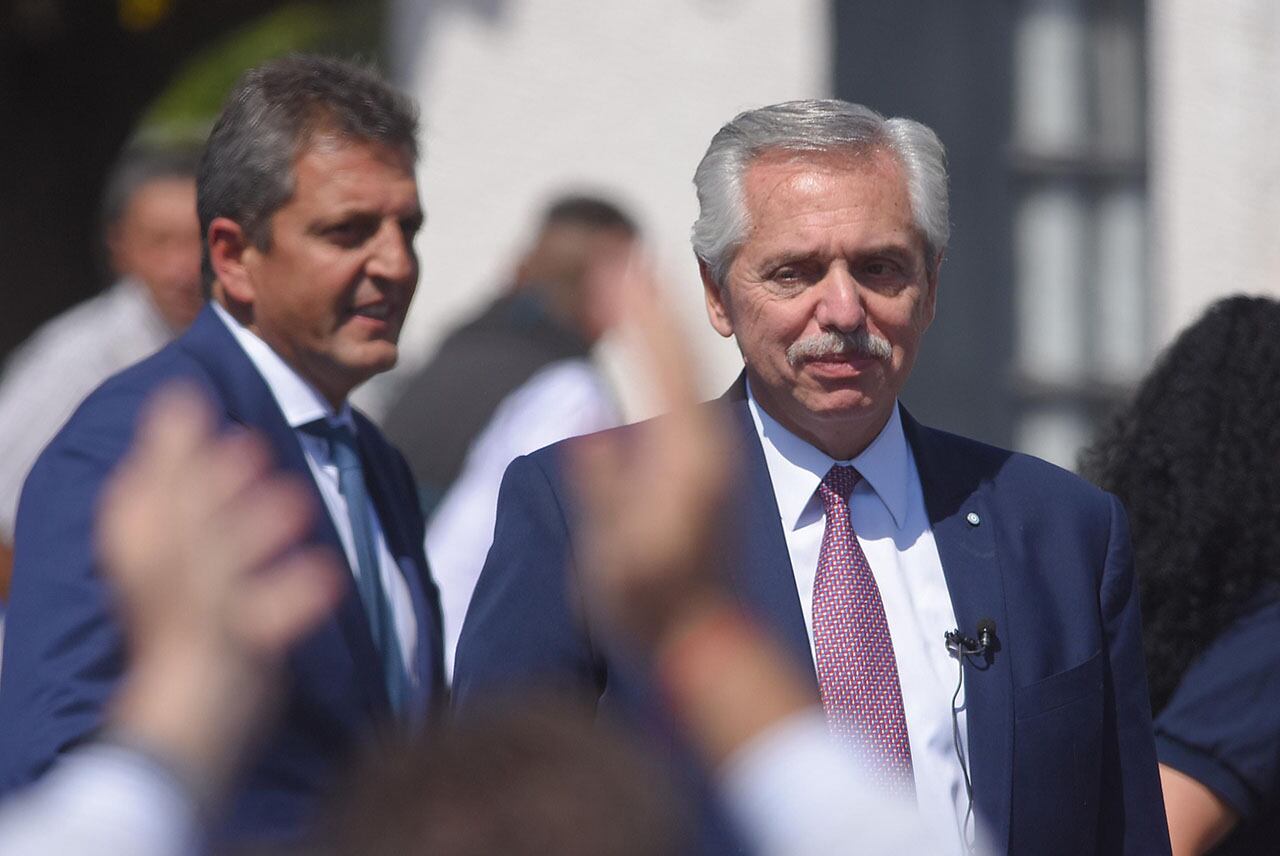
<point>1059,726</point>
<point>63,653</point>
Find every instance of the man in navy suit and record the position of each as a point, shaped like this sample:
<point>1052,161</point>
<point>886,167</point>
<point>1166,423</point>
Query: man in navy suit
<point>308,202</point>
<point>860,536</point>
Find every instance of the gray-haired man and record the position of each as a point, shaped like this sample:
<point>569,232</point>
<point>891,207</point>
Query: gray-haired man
<point>860,536</point>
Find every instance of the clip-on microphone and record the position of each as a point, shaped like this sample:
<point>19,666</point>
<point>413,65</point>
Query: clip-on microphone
<point>961,645</point>
<point>966,646</point>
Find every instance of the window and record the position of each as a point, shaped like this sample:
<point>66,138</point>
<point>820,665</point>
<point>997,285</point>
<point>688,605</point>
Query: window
<point>1079,228</point>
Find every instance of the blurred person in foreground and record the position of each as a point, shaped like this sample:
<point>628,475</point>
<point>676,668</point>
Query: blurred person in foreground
<point>530,775</point>
<point>193,534</point>
<point>514,379</point>
<point>152,240</point>
<point>536,337</point>
<point>308,201</point>
<point>1195,456</point>
<point>860,537</point>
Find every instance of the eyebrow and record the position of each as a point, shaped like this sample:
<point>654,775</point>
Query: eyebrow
<point>789,257</point>
<point>809,254</point>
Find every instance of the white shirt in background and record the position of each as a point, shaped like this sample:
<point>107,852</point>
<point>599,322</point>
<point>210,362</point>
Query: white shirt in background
<point>50,373</point>
<point>563,399</point>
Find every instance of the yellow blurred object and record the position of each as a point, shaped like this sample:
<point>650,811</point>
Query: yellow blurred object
<point>139,15</point>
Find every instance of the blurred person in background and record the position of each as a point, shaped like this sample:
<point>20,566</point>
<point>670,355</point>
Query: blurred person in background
<point>152,240</point>
<point>516,378</point>
<point>1195,456</point>
<point>859,537</point>
<point>309,204</point>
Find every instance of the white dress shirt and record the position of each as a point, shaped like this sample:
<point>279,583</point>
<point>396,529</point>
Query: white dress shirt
<point>563,399</point>
<point>889,517</point>
<point>300,404</point>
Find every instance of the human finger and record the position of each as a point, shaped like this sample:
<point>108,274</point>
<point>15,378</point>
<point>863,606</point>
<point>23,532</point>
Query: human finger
<point>265,519</point>
<point>285,601</point>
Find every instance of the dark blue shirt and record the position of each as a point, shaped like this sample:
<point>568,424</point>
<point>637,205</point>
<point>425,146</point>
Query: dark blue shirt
<point>1222,728</point>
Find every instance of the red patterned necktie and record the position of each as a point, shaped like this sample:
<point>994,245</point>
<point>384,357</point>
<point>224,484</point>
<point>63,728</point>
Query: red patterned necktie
<point>857,670</point>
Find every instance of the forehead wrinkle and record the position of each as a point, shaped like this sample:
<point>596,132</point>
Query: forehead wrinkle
<point>801,177</point>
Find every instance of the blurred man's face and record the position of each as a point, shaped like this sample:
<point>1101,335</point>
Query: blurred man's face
<point>331,292</point>
<point>157,241</point>
<point>566,263</point>
<point>828,295</point>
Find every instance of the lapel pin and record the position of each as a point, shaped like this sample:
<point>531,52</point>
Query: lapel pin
<point>973,518</point>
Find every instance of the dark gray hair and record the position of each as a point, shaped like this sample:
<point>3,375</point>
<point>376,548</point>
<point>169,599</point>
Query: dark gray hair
<point>812,126</point>
<point>271,117</point>
<point>592,212</point>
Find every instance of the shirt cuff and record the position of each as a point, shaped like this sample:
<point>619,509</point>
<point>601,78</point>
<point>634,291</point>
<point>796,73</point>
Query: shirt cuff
<point>102,798</point>
<point>792,790</point>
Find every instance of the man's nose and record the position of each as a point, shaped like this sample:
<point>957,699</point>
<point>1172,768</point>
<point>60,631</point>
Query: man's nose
<point>393,257</point>
<point>840,301</point>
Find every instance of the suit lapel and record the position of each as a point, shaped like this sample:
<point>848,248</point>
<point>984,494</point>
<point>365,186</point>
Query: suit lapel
<point>765,580</point>
<point>956,494</point>
<point>343,645</point>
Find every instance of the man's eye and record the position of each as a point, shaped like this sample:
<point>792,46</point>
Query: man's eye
<point>349,233</point>
<point>797,274</point>
<point>411,227</point>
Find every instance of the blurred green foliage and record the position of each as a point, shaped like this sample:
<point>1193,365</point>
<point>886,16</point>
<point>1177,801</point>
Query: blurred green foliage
<point>188,106</point>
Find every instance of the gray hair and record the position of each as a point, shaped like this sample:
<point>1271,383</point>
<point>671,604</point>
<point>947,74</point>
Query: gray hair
<point>273,114</point>
<point>812,126</point>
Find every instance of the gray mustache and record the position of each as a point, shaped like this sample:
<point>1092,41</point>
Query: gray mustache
<point>855,343</point>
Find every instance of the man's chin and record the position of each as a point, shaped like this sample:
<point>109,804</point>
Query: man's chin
<point>849,403</point>
<point>372,358</point>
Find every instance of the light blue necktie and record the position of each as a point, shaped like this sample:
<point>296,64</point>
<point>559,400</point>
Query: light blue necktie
<point>342,451</point>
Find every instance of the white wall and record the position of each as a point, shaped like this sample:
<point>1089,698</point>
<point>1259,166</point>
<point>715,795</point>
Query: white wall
<point>1215,156</point>
<point>522,99</point>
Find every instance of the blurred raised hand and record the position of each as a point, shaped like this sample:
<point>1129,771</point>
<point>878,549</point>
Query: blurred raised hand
<point>654,502</point>
<point>652,498</point>
<point>198,537</point>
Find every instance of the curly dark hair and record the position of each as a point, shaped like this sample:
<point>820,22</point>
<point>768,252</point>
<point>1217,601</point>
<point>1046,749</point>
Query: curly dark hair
<point>1195,457</point>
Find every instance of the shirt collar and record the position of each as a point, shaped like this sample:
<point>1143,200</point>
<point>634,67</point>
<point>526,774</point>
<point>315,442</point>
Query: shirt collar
<point>299,401</point>
<point>796,467</point>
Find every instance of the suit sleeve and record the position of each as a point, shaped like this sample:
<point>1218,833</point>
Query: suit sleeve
<point>523,628</point>
<point>1132,817</point>
<point>64,652</point>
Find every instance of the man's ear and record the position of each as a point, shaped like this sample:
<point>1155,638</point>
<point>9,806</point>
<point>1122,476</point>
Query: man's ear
<point>717,305</point>
<point>228,248</point>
